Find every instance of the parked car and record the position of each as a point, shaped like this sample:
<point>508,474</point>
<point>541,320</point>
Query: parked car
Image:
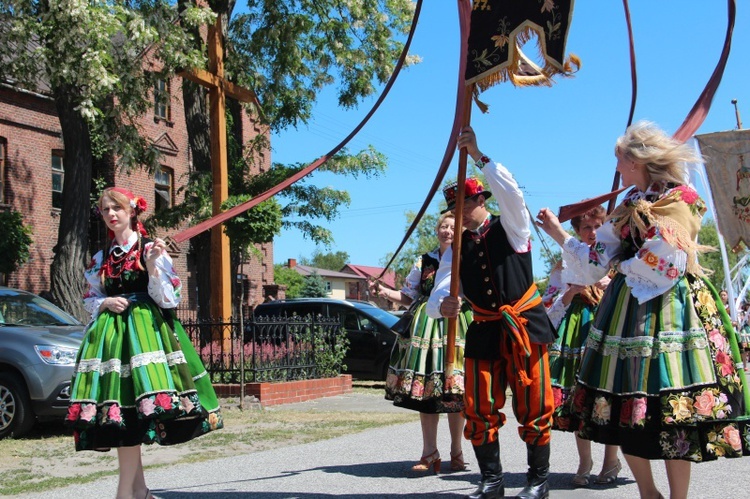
<point>38,346</point>
<point>367,327</point>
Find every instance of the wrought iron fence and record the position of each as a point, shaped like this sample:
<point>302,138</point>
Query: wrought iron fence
<point>269,348</point>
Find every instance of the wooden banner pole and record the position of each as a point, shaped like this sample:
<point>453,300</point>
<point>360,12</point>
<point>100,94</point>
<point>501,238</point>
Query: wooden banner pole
<point>457,231</point>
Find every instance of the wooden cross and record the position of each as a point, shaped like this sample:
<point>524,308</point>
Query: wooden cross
<point>219,89</point>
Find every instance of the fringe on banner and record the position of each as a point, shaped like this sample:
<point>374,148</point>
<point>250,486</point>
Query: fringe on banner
<point>521,71</point>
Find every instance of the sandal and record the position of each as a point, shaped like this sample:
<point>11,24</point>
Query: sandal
<point>427,462</point>
<point>457,462</point>
<point>582,479</point>
<point>610,476</point>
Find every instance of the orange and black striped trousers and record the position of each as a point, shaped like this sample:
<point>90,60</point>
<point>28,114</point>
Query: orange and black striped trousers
<point>486,382</point>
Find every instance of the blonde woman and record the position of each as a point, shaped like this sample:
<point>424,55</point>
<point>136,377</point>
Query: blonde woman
<point>660,374</point>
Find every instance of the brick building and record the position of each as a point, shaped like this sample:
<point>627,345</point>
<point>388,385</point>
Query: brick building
<point>32,174</point>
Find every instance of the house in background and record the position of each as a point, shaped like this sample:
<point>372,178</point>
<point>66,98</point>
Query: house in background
<point>359,289</point>
<point>350,283</point>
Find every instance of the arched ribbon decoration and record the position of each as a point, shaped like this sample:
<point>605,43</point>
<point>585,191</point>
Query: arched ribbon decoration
<point>241,208</point>
<point>463,101</point>
<point>692,122</point>
<point>633,94</point>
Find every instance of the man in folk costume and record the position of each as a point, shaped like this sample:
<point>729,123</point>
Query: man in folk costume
<point>506,344</point>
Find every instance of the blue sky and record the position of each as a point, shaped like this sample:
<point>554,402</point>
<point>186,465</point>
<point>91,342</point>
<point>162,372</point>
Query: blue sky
<point>558,142</point>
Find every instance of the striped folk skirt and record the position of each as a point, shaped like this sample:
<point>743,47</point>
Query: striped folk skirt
<point>138,380</point>
<point>661,379</point>
<point>416,374</point>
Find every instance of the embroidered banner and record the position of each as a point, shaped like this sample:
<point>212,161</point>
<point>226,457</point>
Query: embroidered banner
<point>727,156</point>
<point>499,28</point>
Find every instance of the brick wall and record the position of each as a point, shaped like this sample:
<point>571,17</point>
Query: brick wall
<point>29,124</point>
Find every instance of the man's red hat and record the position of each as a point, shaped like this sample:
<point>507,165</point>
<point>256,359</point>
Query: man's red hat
<point>472,187</point>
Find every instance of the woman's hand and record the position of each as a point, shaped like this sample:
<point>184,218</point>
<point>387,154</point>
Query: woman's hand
<point>154,252</point>
<point>450,306</point>
<point>573,289</point>
<point>116,304</point>
<point>550,224</point>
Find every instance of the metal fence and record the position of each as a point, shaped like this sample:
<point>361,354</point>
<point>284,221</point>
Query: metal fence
<point>269,348</point>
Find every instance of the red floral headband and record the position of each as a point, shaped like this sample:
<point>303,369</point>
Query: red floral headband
<point>136,202</point>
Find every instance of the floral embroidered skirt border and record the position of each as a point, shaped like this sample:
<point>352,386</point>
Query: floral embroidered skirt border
<point>138,380</point>
<point>662,379</point>
<point>416,375</point>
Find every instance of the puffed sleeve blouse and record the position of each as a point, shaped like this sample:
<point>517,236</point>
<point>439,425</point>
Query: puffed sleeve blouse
<point>652,269</point>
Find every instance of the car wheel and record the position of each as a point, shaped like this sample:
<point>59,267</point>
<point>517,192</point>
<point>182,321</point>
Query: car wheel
<point>16,416</point>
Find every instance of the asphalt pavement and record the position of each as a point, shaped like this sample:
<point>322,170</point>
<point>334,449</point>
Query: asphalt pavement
<point>377,464</point>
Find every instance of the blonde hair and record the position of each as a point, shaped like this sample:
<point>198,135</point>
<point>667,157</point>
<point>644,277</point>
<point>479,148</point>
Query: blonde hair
<point>664,157</point>
<point>442,218</point>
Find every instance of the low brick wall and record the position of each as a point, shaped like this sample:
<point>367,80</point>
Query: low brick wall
<point>287,392</point>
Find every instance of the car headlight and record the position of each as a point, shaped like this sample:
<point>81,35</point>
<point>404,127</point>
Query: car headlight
<point>63,356</point>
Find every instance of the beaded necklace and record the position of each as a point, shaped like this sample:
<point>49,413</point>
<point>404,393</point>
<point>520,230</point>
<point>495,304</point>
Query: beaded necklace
<point>114,266</point>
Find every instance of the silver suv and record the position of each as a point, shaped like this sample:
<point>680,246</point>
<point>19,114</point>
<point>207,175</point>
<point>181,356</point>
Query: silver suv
<point>38,347</point>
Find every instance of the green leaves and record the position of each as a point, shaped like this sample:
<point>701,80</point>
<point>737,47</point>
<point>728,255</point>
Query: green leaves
<point>289,51</point>
<point>15,243</point>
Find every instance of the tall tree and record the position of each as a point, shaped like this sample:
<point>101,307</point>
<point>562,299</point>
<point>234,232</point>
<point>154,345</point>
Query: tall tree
<point>90,55</point>
<point>313,287</point>
<point>288,52</point>
<point>713,260</point>
<point>330,261</point>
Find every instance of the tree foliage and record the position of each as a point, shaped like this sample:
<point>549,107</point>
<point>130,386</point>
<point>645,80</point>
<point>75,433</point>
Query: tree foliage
<point>313,287</point>
<point>289,51</point>
<point>293,280</point>
<point>89,56</point>
<point>330,261</point>
<point>713,261</point>
<point>15,243</point>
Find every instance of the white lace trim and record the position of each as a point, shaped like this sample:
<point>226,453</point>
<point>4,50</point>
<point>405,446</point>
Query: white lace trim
<point>144,359</point>
<point>125,370</point>
<point>642,288</point>
<point>647,346</point>
<point>177,357</point>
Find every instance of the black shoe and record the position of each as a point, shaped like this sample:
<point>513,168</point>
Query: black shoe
<point>493,482</point>
<point>537,485</point>
<point>489,489</point>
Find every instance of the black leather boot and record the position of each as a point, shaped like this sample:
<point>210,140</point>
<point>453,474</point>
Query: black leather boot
<point>493,484</point>
<point>537,486</point>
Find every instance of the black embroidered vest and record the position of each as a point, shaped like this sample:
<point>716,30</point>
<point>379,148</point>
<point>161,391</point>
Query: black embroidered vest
<point>492,275</point>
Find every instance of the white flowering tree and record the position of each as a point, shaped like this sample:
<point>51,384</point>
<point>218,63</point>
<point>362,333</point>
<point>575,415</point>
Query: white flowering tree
<point>89,53</point>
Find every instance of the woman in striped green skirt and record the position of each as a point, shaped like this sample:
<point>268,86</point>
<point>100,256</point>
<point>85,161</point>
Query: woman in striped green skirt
<point>661,373</point>
<point>416,375</point>
<point>138,378</point>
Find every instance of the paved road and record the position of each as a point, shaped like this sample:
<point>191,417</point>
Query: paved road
<point>376,464</point>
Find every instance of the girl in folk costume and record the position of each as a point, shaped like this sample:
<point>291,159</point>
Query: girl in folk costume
<point>571,308</point>
<point>138,378</point>
<point>416,377</point>
<point>659,375</point>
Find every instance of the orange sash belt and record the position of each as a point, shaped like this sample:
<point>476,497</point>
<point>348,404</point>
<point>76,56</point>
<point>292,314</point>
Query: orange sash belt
<point>511,314</point>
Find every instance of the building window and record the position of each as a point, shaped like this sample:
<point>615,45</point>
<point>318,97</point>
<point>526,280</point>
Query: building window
<point>328,287</point>
<point>162,108</point>
<point>58,177</point>
<point>3,163</point>
<point>163,187</point>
